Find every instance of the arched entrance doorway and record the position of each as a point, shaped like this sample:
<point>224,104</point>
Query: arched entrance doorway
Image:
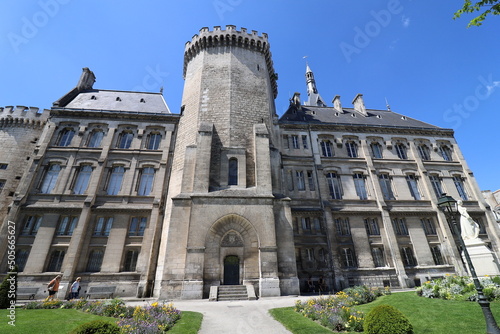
<point>231,270</point>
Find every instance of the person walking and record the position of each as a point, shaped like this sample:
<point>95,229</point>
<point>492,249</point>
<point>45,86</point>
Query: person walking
<point>53,287</point>
<point>75,288</point>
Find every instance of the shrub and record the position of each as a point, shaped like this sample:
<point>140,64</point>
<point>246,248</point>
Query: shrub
<point>96,327</point>
<point>459,288</point>
<point>336,312</point>
<point>385,319</point>
<point>6,290</point>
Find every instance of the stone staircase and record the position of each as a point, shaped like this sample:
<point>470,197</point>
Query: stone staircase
<point>232,292</point>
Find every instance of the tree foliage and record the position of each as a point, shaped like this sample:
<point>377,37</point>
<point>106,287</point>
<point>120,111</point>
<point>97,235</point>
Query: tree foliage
<point>489,7</point>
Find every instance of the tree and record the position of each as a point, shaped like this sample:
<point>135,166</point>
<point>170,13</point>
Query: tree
<point>492,5</point>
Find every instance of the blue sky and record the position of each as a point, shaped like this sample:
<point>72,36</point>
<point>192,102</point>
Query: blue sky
<point>413,53</point>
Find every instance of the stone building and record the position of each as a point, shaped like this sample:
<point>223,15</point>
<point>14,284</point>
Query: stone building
<point>123,193</point>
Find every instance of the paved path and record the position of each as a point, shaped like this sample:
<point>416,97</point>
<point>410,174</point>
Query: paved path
<point>237,317</point>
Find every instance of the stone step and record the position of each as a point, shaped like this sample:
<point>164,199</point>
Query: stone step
<point>232,292</point>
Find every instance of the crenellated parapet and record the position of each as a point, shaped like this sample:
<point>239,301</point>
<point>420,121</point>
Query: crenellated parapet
<point>22,116</point>
<point>233,38</point>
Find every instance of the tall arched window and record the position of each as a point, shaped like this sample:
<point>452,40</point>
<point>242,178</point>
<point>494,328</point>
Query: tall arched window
<point>233,172</point>
<point>50,178</point>
<point>65,137</point>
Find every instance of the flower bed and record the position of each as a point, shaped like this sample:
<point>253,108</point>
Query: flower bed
<point>150,319</point>
<point>454,287</point>
<point>336,312</point>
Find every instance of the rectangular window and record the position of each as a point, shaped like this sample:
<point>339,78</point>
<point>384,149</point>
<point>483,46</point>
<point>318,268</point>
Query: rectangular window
<point>400,227</point>
<point>306,225</point>
<point>334,185</point>
<point>95,260</point>
<point>55,261</point>
<point>50,178</point>
<point>436,255</point>
<point>301,185</point>
<point>146,179</point>
<point>31,225</point>
<point>65,137</point>
<point>137,226</point>
<point>352,149</point>
<point>326,148</point>
<point>82,179</point>
<point>360,185</point>
<point>125,140</point>
<point>401,151</point>
<point>2,184</point>
<point>459,184</point>
<point>115,180</point>
<point>386,187</point>
<point>436,185</point>
<point>95,138</point>
<point>424,152</point>
<point>153,141</point>
<point>371,226</point>
<point>376,150</point>
<point>21,258</point>
<point>103,226</point>
<point>428,226</point>
<point>310,179</point>
<point>3,166</point>
<point>342,226</point>
<point>131,260</point>
<point>407,257</point>
<point>378,257</point>
<point>67,225</point>
<point>411,180</point>
<point>445,153</point>
<point>295,141</point>
<point>304,142</point>
<point>348,258</point>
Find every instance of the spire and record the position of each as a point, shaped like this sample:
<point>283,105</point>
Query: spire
<point>314,98</point>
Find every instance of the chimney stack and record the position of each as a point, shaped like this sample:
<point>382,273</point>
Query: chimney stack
<point>337,104</point>
<point>359,104</point>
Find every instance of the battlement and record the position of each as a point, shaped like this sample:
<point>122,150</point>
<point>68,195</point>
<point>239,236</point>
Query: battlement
<point>23,116</point>
<point>233,38</point>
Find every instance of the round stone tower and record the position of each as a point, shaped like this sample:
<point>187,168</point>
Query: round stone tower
<point>230,83</point>
<point>223,225</point>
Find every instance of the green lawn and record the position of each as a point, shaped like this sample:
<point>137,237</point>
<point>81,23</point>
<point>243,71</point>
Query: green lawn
<point>428,316</point>
<point>62,321</point>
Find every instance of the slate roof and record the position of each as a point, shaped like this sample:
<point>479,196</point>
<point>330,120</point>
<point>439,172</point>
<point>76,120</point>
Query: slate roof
<point>113,100</point>
<point>349,116</point>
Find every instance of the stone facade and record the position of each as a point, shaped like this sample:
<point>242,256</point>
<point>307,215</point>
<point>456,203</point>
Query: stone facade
<point>121,192</point>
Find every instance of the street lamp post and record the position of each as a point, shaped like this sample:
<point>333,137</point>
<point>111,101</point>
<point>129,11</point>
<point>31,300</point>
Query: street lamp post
<point>448,205</point>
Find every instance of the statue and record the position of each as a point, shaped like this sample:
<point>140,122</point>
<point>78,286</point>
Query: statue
<point>470,229</point>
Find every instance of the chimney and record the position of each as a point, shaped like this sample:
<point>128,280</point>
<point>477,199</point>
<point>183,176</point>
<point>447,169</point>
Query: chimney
<point>295,100</point>
<point>337,104</point>
<point>359,104</point>
<point>87,80</point>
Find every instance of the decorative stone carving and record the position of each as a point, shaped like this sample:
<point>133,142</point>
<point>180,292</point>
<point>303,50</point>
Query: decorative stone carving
<point>232,239</point>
